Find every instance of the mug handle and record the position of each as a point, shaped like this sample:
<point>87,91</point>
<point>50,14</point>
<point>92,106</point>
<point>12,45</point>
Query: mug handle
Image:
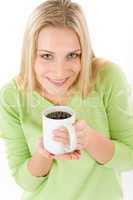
<point>72,138</point>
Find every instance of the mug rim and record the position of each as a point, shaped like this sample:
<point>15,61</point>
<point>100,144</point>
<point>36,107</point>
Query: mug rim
<point>58,108</point>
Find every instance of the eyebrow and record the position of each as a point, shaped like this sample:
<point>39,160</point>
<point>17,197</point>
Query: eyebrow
<point>54,52</point>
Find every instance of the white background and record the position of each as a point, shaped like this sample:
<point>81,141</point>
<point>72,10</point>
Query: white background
<point>110,24</point>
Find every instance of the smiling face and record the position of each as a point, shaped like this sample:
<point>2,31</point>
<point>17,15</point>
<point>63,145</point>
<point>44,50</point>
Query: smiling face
<point>57,64</point>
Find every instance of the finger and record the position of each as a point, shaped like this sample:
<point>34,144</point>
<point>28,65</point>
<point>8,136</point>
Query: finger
<point>60,133</point>
<point>74,157</point>
<point>67,156</point>
<point>76,120</point>
<point>61,140</point>
<point>82,134</point>
<point>63,157</point>
<point>77,155</point>
<point>61,128</point>
<point>80,140</point>
<point>77,152</point>
<point>80,125</point>
<point>79,134</point>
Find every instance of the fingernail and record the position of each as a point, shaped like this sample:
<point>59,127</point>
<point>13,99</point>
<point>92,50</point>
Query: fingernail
<point>66,145</point>
<point>55,131</point>
<point>61,130</point>
<point>73,157</point>
<point>49,156</point>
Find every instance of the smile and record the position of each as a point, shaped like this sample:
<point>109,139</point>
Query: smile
<point>57,82</point>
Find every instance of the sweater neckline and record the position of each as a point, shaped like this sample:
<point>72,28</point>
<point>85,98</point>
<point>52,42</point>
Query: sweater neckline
<point>45,100</point>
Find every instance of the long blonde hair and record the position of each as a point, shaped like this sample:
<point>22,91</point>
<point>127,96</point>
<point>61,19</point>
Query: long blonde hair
<point>57,13</point>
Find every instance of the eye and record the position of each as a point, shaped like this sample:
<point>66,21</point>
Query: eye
<point>73,55</point>
<point>46,56</point>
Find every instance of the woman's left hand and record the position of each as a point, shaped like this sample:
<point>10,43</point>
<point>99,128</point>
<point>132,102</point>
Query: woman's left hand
<point>83,133</point>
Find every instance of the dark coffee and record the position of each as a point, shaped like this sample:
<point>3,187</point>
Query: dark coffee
<point>58,115</point>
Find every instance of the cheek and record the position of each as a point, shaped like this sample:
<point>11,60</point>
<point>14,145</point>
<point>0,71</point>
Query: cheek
<point>40,68</point>
<point>76,68</point>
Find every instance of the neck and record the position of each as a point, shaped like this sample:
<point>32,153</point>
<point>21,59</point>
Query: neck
<point>57,99</point>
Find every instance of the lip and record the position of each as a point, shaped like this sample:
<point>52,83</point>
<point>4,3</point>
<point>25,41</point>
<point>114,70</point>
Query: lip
<point>59,82</point>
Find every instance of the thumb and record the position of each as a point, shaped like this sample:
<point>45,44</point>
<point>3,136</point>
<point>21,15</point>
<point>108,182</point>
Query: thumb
<point>79,124</point>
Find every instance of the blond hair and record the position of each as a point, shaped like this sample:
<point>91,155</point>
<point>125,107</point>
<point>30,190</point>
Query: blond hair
<point>57,13</point>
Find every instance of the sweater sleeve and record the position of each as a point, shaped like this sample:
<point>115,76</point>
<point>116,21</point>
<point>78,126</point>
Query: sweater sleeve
<point>119,109</point>
<point>17,151</point>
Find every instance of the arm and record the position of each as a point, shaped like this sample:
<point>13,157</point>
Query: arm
<point>114,89</point>
<point>17,150</point>
<point>41,162</point>
<point>39,165</point>
<point>99,147</point>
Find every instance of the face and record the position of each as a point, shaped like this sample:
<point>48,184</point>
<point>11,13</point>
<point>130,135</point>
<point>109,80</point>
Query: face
<point>57,63</point>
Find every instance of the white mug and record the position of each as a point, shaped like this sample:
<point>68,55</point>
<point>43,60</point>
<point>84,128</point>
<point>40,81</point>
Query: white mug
<point>50,124</point>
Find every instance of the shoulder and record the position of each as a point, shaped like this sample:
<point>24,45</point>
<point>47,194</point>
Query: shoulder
<point>109,73</point>
<point>9,93</point>
<point>9,110</point>
<point>104,66</point>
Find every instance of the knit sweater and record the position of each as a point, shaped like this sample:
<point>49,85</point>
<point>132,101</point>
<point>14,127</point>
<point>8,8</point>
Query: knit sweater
<point>107,109</point>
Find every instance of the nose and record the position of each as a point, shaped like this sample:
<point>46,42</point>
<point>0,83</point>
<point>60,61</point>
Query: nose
<point>59,72</point>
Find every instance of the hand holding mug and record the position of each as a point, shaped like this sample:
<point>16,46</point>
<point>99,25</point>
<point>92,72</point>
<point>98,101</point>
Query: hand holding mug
<point>82,134</point>
<point>48,155</point>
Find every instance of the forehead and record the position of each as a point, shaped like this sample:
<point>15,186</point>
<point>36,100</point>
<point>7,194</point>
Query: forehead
<point>51,37</point>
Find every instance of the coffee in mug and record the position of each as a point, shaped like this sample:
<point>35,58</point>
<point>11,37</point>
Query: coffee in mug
<point>58,115</point>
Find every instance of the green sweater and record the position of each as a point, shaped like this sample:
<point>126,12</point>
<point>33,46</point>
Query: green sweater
<point>107,110</point>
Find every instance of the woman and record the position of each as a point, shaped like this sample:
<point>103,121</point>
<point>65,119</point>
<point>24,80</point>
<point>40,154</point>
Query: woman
<point>58,67</point>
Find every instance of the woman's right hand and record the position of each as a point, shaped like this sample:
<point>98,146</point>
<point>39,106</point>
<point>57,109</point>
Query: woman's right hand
<point>66,156</point>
